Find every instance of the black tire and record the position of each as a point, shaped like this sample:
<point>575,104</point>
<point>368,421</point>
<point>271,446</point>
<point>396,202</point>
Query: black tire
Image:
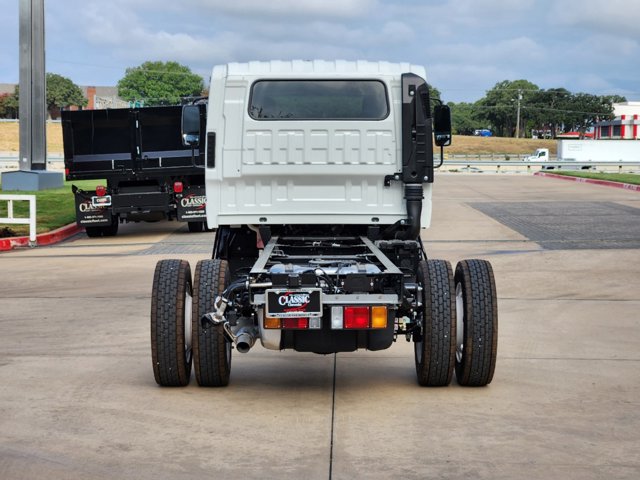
<point>111,230</point>
<point>93,232</point>
<point>195,227</point>
<point>435,343</point>
<point>477,317</point>
<point>171,323</point>
<point>211,348</point>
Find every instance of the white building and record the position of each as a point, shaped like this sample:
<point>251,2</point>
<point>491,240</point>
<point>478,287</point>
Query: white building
<point>625,124</point>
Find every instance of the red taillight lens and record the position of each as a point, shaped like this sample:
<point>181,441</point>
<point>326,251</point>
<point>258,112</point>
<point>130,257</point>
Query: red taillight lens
<point>295,322</point>
<point>356,317</point>
<point>101,190</point>
<point>178,187</point>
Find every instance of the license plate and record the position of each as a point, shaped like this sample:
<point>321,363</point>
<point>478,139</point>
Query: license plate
<point>294,303</point>
<point>101,201</point>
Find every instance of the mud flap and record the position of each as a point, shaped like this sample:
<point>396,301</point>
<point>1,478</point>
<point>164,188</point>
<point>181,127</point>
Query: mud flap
<point>90,215</point>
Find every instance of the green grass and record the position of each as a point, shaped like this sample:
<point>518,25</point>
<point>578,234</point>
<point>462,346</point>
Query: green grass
<point>631,178</point>
<point>55,208</point>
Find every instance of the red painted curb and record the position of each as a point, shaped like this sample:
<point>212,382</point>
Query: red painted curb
<point>593,181</point>
<point>47,238</point>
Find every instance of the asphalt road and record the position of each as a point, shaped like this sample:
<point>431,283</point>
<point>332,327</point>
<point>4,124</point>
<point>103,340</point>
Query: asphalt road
<point>78,399</point>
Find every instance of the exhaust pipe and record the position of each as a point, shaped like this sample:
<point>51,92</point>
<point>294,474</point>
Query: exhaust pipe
<point>414,196</point>
<point>244,340</point>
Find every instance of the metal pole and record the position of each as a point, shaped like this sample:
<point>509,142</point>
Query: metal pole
<point>33,112</point>
<point>518,115</point>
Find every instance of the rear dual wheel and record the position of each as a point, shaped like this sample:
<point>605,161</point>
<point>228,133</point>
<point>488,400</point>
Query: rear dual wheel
<point>477,323</point>
<point>435,340</point>
<point>171,303</point>
<point>211,348</point>
<point>195,227</point>
<point>457,324</point>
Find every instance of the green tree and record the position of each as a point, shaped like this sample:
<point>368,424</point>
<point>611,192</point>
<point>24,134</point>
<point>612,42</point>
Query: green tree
<point>500,105</point>
<point>548,109</point>
<point>465,119</point>
<point>62,93</point>
<point>434,93</point>
<point>584,109</point>
<point>8,105</point>
<point>159,83</point>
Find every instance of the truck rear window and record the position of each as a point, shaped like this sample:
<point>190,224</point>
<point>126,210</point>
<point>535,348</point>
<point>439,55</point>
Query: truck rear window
<point>318,100</point>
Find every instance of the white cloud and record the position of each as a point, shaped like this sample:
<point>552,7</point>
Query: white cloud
<point>467,46</point>
<point>397,32</point>
<point>297,8</point>
<point>507,53</point>
<point>615,17</point>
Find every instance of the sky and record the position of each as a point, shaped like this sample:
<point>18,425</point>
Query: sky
<point>466,46</point>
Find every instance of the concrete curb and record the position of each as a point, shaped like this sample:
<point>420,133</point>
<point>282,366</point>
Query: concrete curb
<point>593,181</point>
<point>47,238</point>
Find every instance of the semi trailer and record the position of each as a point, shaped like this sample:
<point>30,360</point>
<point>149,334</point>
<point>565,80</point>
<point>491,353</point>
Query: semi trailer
<point>319,179</point>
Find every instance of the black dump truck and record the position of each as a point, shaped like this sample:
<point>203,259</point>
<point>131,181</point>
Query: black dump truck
<point>150,172</point>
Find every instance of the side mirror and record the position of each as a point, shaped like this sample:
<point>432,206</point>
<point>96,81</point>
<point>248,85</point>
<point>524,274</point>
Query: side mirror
<point>190,125</point>
<point>442,125</point>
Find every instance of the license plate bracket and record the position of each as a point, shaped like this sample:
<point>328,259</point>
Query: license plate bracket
<point>104,201</point>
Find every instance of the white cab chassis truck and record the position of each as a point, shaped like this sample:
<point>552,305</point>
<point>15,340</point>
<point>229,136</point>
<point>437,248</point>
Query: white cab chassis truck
<point>318,182</point>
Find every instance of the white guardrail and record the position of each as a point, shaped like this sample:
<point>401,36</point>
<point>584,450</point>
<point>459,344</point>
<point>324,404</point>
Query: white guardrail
<point>497,163</point>
<point>10,161</point>
<point>12,220</point>
<point>505,165</point>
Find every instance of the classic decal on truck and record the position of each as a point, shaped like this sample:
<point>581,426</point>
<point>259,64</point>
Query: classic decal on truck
<point>192,206</point>
<point>88,214</point>
<point>294,303</point>
<point>87,206</point>
<point>294,300</point>
<point>194,201</point>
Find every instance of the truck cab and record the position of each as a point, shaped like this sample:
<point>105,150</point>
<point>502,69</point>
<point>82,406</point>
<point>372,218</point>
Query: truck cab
<point>319,180</point>
<point>540,155</point>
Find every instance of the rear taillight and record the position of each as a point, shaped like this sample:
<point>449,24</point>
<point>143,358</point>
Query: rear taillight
<point>178,187</point>
<point>101,190</point>
<point>356,317</point>
<point>293,323</point>
<point>378,317</point>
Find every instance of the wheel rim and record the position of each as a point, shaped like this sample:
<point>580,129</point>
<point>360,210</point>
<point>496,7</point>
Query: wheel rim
<point>459,322</point>
<point>188,302</point>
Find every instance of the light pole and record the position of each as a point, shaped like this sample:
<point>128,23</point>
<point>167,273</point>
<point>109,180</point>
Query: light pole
<point>518,115</point>
<point>32,174</point>
<point>33,143</point>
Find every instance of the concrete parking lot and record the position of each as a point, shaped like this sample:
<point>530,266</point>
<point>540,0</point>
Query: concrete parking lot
<point>78,399</point>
